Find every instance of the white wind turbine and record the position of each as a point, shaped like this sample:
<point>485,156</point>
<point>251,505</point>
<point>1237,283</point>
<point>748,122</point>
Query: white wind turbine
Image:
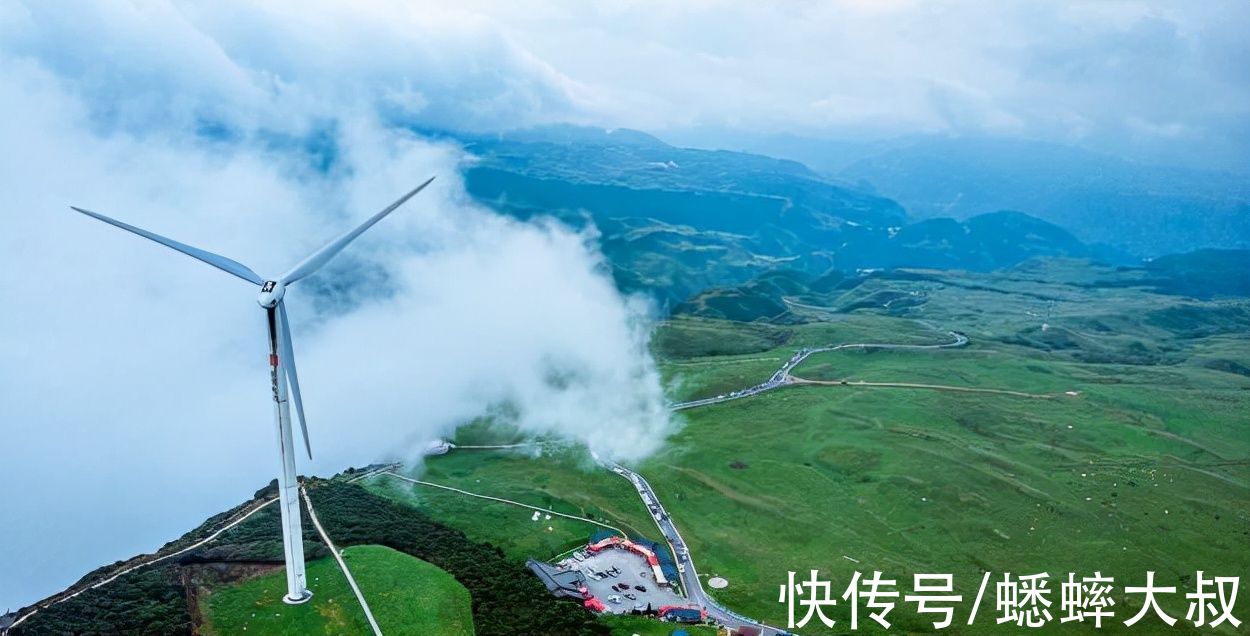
<point>281,369</point>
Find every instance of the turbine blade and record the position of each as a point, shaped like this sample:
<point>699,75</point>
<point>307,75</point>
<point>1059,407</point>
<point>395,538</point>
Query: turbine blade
<point>288,352</point>
<point>216,260</point>
<point>321,256</point>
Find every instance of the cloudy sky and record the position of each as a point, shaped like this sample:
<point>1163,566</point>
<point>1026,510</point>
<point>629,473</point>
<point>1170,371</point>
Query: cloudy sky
<point>1167,81</point>
<point>133,397</point>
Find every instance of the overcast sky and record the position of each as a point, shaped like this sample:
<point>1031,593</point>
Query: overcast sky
<point>131,378</point>
<point>1168,81</point>
<point>1122,75</point>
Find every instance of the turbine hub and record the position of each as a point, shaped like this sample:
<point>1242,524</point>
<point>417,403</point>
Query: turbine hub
<point>270,293</point>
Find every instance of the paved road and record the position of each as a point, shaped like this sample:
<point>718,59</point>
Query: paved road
<point>689,575</point>
<point>782,376</point>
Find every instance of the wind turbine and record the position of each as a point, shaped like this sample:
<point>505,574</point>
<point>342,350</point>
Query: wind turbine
<point>281,369</point>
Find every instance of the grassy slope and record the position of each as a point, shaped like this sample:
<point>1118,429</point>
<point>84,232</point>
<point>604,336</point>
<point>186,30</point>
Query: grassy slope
<point>912,481</point>
<point>577,488</point>
<point>699,372</point>
<point>406,594</point>
<point>255,605</point>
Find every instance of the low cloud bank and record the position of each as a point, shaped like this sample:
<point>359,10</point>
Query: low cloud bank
<point>133,379</point>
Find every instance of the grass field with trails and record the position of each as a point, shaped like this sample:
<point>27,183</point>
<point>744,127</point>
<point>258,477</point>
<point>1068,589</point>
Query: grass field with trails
<point>407,596</point>
<point>1146,468</point>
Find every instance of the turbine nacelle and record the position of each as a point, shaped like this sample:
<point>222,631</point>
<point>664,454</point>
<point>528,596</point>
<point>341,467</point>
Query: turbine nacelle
<point>271,293</point>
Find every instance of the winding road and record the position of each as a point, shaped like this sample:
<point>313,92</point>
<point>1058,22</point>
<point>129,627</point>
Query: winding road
<point>783,377</point>
<point>689,574</point>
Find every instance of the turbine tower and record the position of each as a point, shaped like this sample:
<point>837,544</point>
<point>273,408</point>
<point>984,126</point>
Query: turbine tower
<point>281,370</point>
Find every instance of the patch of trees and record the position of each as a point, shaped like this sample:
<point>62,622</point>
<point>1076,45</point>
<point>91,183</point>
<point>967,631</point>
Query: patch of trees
<point>147,601</point>
<point>507,598</point>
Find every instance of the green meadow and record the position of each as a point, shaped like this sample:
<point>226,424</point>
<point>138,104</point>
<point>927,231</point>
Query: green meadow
<point>407,596</point>
<point>1144,468</point>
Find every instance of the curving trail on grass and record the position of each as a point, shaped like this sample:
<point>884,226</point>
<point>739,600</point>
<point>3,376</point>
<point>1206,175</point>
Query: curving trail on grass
<point>549,511</point>
<point>912,385</point>
<point>782,376</point>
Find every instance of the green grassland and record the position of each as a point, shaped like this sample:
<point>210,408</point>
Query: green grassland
<point>578,489</point>
<point>699,372</point>
<point>406,594</point>
<point>1146,468</point>
<point>626,625</point>
<point>256,606</point>
<point>910,481</point>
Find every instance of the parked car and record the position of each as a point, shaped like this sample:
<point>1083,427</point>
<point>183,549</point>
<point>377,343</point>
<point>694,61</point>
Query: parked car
<point>632,597</point>
<point>640,588</point>
<point>614,599</point>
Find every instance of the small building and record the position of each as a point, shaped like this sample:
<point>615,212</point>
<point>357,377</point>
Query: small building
<point>676,614</point>
<point>559,582</point>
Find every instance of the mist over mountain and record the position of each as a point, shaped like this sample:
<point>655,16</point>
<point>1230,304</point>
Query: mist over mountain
<point>1141,208</point>
<point>675,221</point>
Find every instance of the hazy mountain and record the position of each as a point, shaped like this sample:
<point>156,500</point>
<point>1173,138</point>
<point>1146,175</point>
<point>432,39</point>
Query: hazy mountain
<point>675,221</point>
<point>1203,274</point>
<point>1212,283</point>
<point>1147,210</point>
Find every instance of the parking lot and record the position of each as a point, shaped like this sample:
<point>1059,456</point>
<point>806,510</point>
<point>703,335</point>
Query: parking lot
<point>632,570</point>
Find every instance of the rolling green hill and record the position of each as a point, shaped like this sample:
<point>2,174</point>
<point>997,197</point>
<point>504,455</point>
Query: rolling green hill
<point>1093,422</point>
<point>676,221</point>
<point>1133,456</point>
<point>407,596</point>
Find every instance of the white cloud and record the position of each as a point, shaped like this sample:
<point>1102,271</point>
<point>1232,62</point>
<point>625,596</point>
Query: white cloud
<point>854,68</point>
<point>128,382</point>
<point>133,378</point>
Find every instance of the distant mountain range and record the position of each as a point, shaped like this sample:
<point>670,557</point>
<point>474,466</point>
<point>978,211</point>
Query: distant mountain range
<point>676,221</point>
<point>1146,210</point>
<point>782,296</point>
